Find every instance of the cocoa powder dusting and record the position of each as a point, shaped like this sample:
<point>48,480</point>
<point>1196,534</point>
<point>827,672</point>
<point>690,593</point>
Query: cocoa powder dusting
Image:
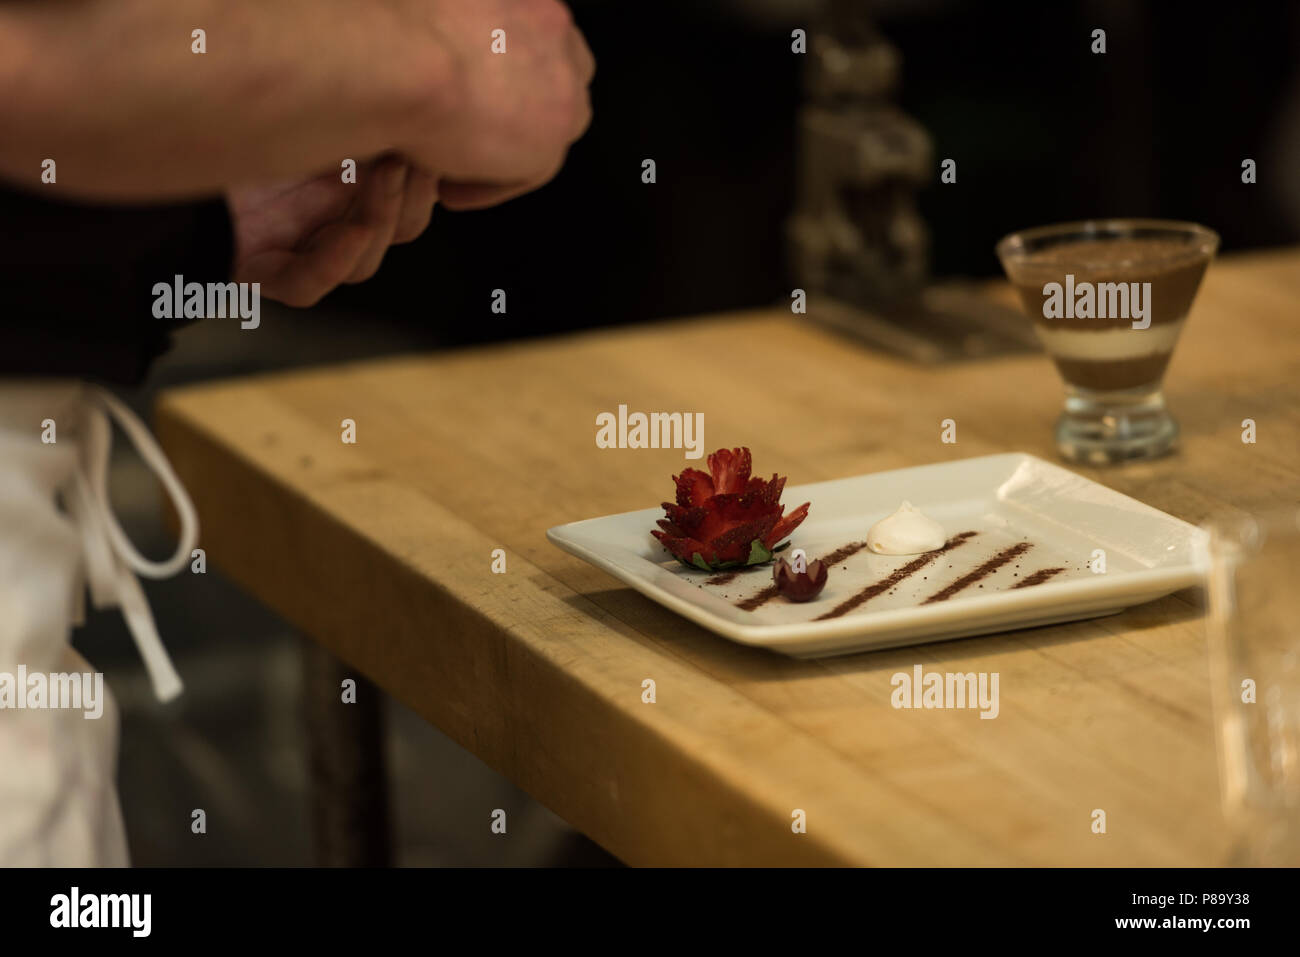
<point>843,552</point>
<point>758,599</point>
<point>911,568</point>
<point>983,571</point>
<point>1038,577</point>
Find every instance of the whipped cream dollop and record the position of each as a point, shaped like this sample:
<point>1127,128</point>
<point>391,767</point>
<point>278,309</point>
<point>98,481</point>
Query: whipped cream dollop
<point>906,532</point>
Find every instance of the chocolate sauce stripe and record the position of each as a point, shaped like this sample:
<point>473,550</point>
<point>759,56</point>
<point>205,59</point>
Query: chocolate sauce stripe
<point>982,571</point>
<point>911,568</point>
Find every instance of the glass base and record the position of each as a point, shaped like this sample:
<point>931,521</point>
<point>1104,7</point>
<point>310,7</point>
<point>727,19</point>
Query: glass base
<point>1102,428</point>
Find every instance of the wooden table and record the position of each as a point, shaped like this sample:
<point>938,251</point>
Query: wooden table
<point>382,552</point>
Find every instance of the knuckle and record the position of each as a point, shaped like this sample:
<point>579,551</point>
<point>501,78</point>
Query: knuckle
<point>570,97</point>
<point>555,15</point>
<point>585,115</point>
<point>414,228</point>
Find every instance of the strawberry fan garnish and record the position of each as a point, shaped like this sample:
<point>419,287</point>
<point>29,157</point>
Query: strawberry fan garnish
<point>726,519</point>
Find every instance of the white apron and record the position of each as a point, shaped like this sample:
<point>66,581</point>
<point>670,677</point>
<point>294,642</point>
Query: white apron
<point>58,537</point>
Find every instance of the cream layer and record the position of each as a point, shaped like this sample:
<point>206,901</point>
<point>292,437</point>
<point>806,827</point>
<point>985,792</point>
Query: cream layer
<point>1110,343</point>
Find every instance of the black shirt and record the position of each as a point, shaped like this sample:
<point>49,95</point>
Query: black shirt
<point>76,281</point>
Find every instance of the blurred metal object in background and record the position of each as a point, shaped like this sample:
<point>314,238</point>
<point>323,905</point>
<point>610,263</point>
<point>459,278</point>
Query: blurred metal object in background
<point>856,232</point>
<point>858,244</point>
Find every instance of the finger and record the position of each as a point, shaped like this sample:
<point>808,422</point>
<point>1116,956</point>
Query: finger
<point>298,210</point>
<point>470,195</point>
<point>465,196</point>
<point>302,278</point>
<point>417,205</point>
<point>582,56</point>
<point>583,119</point>
<point>379,210</point>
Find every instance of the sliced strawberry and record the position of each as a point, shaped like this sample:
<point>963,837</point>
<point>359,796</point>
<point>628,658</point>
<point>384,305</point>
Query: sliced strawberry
<point>689,520</point>
<point>693,487</point>
<point>785,526</point>
<point>687,548</point>
<point>719,515</point>
<point>730,468</point>
<point>733,545</point>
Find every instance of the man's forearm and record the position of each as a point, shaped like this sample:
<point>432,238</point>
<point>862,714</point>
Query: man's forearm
<point>112,92</point>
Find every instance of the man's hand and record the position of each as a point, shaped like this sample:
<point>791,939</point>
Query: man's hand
<point>303,239</point>
<point>287,90</point>
<point>499,123</point>
<point>284,93</point>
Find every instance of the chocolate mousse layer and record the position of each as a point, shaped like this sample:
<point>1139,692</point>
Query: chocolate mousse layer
<point>1108,354</point>
<point>1173,267</point>
<point>1110,375</point>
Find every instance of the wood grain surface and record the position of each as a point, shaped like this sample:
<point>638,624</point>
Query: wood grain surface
<point>382,552</point>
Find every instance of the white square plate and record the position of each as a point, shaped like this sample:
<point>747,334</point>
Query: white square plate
<point>1005,500</point>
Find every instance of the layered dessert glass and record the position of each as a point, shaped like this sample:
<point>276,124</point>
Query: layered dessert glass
<point>1109,299</point>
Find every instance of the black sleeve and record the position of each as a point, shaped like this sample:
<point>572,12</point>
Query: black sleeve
<point>77,293</point>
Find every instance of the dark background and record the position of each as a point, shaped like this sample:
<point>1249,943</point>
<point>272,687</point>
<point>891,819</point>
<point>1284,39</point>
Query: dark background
<point>1042,131</point>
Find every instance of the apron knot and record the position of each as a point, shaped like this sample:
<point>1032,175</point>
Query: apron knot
<point>111,562</point>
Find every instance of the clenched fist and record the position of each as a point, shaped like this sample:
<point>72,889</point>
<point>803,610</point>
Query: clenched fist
<point>468,102</point>
<point>507,95</point>
<point>501,95</point>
